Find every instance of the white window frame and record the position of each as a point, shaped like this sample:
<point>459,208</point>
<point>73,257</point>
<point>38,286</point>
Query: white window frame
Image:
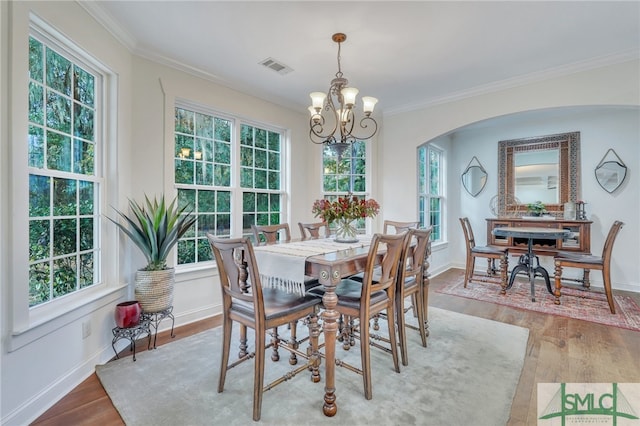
<point>424,183</point>
<point>236,190</point>
<point>29,324</point>
<point>367,176</point>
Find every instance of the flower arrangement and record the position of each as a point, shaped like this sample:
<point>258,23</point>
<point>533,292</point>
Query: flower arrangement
<point>343,211</point>
<point>348,208</point>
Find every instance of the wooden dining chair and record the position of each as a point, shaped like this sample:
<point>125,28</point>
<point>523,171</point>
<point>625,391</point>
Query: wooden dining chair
<point>314,230</point>
<point>564,259</point>
<point>397,227</point>
<point>362,300</point>
<point>268,234</point>
<point>410,285</point>
<point>491,253</point>
<point>245,301</point>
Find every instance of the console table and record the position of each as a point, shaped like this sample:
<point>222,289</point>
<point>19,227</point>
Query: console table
<point>577,239</point>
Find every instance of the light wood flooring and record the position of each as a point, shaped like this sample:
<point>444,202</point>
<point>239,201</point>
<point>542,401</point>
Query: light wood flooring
<point>559,350</point>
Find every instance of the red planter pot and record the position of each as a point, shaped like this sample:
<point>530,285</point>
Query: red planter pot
<point>127,314</point>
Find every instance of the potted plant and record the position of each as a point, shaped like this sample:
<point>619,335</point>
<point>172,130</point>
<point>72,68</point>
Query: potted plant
<point>537,208</point>
<point>155,227</point>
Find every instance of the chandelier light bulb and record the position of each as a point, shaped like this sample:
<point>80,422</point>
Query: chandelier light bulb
<point>368,103</point>
<point>349,96</point>
<point>317,100</point>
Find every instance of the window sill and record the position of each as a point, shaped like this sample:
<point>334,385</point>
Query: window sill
<point>47,319</point>
<point>439,246</point>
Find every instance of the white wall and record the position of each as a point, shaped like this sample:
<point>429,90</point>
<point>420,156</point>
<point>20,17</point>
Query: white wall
<point>616,85</point>
<point>36,374</point>
<point>156,89</point>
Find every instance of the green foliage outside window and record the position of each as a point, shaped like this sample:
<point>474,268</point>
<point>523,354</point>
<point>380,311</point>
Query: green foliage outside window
<point>63,222</point>
<point>203,172</point>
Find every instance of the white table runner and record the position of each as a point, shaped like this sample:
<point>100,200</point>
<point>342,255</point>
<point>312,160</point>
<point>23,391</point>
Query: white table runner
<point>283,265</point>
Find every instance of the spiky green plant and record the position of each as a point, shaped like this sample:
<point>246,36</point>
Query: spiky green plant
<point>155,227</point>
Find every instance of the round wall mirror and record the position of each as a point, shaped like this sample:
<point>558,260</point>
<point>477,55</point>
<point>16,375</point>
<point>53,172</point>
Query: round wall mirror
<point>474,177</point>
<point>611,171</point>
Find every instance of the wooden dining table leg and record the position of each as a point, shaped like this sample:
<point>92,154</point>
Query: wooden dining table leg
<point>330,317</point>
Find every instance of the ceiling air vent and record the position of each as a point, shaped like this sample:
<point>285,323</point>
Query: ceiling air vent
<point>276,65</point>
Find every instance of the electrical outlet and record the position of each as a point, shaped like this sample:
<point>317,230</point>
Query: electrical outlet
<point>86,329</point>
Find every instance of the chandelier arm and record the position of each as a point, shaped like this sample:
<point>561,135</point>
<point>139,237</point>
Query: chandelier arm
<point>364,124</point>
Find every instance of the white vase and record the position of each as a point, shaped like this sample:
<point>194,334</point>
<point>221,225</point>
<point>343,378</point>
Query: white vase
<point>345,231</point>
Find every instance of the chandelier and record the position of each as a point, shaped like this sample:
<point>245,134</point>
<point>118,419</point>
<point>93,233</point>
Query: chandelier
<point>333,119</point>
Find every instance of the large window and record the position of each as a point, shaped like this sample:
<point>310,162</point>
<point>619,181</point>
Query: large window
<point>345,173</point>
<point>218,160</point>
<point>64,174</point>
<point>431,189</point>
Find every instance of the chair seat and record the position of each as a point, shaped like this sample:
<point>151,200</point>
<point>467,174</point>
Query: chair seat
<point>489,250</point>
<point>349,292</point>
<point>277,303</point>
<point>579,258</point>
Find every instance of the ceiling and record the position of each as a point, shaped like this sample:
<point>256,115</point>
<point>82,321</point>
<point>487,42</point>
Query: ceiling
<point>406,54</point>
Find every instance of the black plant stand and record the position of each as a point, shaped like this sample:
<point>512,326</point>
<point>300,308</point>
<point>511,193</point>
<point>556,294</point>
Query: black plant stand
<point>155,318</point>
<point>132,334</point>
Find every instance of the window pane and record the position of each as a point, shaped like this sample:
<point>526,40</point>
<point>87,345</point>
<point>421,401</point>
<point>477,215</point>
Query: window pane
<point>36,69</point>
<point>84,88</point>
<point>83,122</point>
<point>39,196</point>
<point>64,197</point>
<point>58,73</point>
<point>58,152</point>
<point>58,112</point>
<point>39,283</point>
<point>39,240</point>
<point>36,103</point>
<point>63,240</point>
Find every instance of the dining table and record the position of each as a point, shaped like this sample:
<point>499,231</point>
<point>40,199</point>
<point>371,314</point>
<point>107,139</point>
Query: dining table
<point>529,262</point>
<point>288,263</point>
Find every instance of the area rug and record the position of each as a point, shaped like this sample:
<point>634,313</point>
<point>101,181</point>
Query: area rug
<point>588,305</point>
<point>467,375</point>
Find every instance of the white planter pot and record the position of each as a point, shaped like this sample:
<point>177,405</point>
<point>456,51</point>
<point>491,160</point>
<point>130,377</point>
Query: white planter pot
<point>154,289</point>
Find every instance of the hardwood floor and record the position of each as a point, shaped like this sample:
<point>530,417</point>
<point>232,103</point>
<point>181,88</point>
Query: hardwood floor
<point>559,350</point>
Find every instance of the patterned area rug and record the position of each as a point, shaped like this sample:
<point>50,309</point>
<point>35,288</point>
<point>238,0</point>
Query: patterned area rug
<point>588,305</point>
<point>467,356</point>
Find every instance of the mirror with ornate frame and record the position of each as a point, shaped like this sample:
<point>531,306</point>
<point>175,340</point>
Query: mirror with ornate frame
<point>544,168</point>
<point>474,177</point>
<point>610,173</point>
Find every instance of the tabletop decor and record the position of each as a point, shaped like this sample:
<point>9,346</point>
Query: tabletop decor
<point>343,212</point>
<point>536,209</point>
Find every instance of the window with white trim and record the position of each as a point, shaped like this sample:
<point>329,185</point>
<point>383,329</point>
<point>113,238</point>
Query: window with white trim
<point>345,173</point>
<point>218,160</point>
<point>65,176</point>
<point>431,189</point>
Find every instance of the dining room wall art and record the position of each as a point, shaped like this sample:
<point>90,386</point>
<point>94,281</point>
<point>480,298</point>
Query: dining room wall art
<point>611,171</point>
<point>474,177</point>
